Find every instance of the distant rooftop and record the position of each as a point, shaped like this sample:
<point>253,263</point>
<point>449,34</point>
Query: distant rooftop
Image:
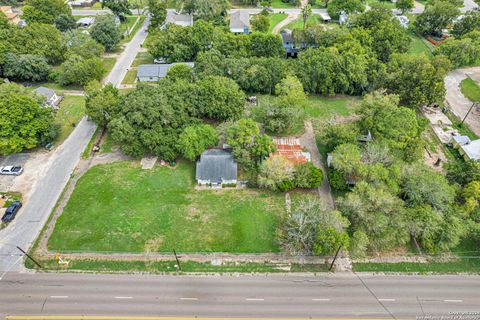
<point>157,70</point>
<point>240,20</point>
<point>45,92</point>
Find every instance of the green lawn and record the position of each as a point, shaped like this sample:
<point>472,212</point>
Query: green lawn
<point>275,19</point>
<point>130,77</point>
<point>312,20</point>
<point>121,208</point>
<point>71,110</point>
<point>323,107</point>
<point>279,4</point>
<point>462,265</point>
<point>470,89</point>
<point>387,4</point>
<point>142,58</point>
<point>419,45</point>
<point>128,24</point>
<point>108,64</point>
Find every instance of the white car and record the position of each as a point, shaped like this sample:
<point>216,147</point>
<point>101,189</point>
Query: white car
<point>11,170</point>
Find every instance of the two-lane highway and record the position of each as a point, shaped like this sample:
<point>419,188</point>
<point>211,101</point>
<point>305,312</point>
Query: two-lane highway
<point>243,296</point>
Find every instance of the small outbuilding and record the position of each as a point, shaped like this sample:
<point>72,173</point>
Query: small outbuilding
<point>216,167</point>
<point>240,22</point>
<point>85,22</point>
<point>155,72</point>
<point>470,150</point>
<point>51,98</point>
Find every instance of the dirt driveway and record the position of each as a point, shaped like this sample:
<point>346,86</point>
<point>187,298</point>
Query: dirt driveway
<point>457,101</point>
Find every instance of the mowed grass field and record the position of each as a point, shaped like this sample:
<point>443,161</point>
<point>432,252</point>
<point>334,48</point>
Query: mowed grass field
<point>121,208</point>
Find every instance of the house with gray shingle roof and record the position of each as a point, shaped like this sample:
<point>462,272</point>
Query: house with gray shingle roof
<point>155,72</point>
<point>51,98</point>
<point>216,167</point>
<point>183,20</point>
<point>240,22</point>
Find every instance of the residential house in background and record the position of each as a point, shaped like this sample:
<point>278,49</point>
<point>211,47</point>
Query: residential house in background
<point>325,17</point>
<point>12,15</point>
<point>82,3</point>
<point>291,150</point>
<point>288,43</point>
<point>155,72</point>
<point>51,98</point>
<point>240,22</point>
<point>183,20</point>
<point>85,22</point>
<point>216,167</point>
<point>404,21</point>
<point>470,150</point>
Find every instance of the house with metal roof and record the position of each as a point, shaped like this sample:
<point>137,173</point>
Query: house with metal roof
<point>216,167</point>
<point>85,22</point>
<point>240,22</point>
<point>51,98</point>
<point>470,150</point>
<point>290,149</point>
<point>155,72</point>
<point>183,20</point>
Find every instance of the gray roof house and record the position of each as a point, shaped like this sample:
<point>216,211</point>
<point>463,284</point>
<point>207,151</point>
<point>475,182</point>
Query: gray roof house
<point>155,72</point>
<point>51,98</point>
<point>85,22</point>
<point>288,44</point>
<point>216,167</point>
<point>184,20</point>
<point>240,22</point>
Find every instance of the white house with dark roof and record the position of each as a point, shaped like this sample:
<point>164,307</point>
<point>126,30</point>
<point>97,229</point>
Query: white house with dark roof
<point>51,98</point>
<point>216,167</point>
<point>183,20</point>
<point>240,21</point>
<point>156,72</point>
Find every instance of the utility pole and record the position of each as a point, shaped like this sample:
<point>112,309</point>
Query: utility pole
<point>334,258</point>
<point>178,261</point>
<point>28,256</point>
<point>469,110</point>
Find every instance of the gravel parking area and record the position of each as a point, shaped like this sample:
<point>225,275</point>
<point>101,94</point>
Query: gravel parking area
<point>17,159</point>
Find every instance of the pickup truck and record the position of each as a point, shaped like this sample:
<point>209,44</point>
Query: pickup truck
<point>11,170</point>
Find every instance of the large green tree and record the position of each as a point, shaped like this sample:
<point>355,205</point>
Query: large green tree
<point>106,32</point>
<point>461,52</point>
<point>196,139</point>
<point>101,102</point>
<point>26,67</point>
<point>437,16</point>
<point>24,123</point>
<point>78,70</point>
<point>44,11</point>
<point>336,7</point>
<point>469,22</point>
<point>158,13</point>
<point>120,8</point>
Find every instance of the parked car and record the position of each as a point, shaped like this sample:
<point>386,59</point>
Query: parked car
<point>11,170</point>
<point>11,211</point>
<point>160,61</point>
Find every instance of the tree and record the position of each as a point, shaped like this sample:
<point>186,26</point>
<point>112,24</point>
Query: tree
<point>463,172</point>
<point>101,102</point>
<point>404,5</point>
<point>78,43</point>
<point>471,198</point>
<point>436,16</point>
<point>336,7</point>
<point>329,240</point>
<point>260,23</point>
<point>387,35</point>
<point>106,32</point>
<point>196,139</point>
<point>39,39</point>
<point>158,13</point>
<point>180,72</point>
<point>65,22</point>
<point>274,171</point>
<point>377,213</point>
<point>209,10</point>
<point>266,45</point>
<point>461,52</point>
<point>290,92</point>
<point>346,158</point>
<point>416,79</point>
<point>262,147</point>
<point>120,8</point>
<point>77,70</point>
<point>278,118</point>
<point>302,229</point>
<point>150,122</point>
<point>470,22</point>
<point>220,98</point>
<point>241,133</point>
<point>358,245</point>
<point>306,12</point>
<point>44,11</point>
<point>25,123</point>
<point>25,67</point>
<point>308,176</point>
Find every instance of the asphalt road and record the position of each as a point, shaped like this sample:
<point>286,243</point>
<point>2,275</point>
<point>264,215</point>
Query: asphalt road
<point>242,296</point>
<point>33,215</point>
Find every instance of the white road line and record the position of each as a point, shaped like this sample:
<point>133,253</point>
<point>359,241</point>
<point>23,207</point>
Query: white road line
<point>386,300</point>
<point>192,299</point>
<point>453,300</point>
<point>254,299</point>
<point>59,297</point>
<point>123,297</point>
<point>320,299</point>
